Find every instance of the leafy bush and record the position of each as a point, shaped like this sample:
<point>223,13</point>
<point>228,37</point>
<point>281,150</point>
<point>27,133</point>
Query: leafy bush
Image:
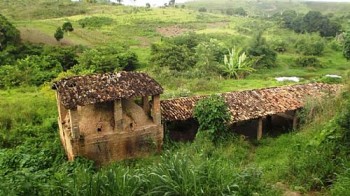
<point>308,61</point>
<point>176,57</point>
<point>346,47</point>
<point>106,59</point>
<point>95,21</point>
<point>202,9</point>
<point>313,21</point>
<point>213,115</point>
<point>259,49</point>
<point>310,45</point>
<point>9,35</point>
<point>33,70</point>
<point>209,55</point>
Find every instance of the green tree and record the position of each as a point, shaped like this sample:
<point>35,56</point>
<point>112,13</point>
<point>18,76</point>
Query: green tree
<point>202,9</point>
<point>59,34</point>
<point>67,27</point>
<point>32,70</point>
<point>66,56</point>
<point>239,11</point>
<point>213,116</point>
<point>230,11</point>
<point>106,59</point>
<point>346,48</point>
<point>288,17</point>
<point>176,57</point>
<point>148,5</point>
<point>9,35</point>
<point>208,55</point>
<point>266,57</point>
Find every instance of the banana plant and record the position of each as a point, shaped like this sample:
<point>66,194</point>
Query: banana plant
<point>237,64</point>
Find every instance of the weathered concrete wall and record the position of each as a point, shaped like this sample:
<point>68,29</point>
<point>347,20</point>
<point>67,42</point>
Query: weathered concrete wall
<point>125,145</point>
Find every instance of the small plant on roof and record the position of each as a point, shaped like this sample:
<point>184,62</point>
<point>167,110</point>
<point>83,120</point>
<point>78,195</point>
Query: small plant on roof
<point>237,64</point>
<point>213,116</point>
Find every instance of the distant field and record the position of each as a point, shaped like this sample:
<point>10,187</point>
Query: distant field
<point>140,27</point>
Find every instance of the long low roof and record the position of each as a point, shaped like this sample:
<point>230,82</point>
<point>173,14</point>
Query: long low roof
<point>251,104</point>
<point>97,88</point>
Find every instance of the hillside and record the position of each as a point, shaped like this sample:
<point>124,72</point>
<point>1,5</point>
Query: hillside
<point>139,28</point>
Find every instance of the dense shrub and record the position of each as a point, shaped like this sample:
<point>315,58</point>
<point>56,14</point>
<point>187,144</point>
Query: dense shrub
<point>260,50</point>
<point>213,115</point>
<point>313,21</point>
<point>9,35</point>
<point>106,59</point>
<point>346,47</point>
<point>310,45</point>
<point>308,61</point>
<point>95,21</point>
<point>33,70</point>
<point>202,9</point>
<point>176,57</point>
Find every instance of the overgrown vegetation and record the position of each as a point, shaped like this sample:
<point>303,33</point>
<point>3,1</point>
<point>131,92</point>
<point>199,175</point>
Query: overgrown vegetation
<point>184,48</point>
<point>213,116</point>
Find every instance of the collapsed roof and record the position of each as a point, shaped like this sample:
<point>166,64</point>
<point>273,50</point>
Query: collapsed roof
<point>251,104</point>
<point>97,88</point>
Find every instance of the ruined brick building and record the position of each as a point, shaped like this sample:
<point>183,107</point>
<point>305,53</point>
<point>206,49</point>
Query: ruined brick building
<point>116,116</point>
<point>108,117</point>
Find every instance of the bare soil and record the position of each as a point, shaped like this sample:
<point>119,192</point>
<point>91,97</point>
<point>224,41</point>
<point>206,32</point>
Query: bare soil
<point>172,31</point>
<point>38,37</point>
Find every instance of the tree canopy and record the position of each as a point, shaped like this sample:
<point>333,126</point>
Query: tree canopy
<point>9,35</point>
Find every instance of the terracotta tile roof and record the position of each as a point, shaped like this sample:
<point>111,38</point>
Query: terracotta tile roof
<point>97,88</point>
<point>251,104</point>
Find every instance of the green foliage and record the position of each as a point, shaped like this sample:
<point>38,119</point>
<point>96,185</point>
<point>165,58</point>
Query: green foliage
<point>202,9</point>
<point>331,80</point>
<point>237,64</point>
<point>313,167</point>
<point>59,34</point>
<point>106,59</point>
<point>240,11</point>
<point>33,70</point>
<point>310,45</point>
<point>308,61</point>
<point>209,55</point>
<point>346,47</point>
<point>95,21</point>
<point>213,115</point>
<point>176,57</point>
<point>288,17</point>
<point>67,27</point>
<point>279,45</point>
<point>259,49</point>
<point>9,35</point>
<point>311,22</point>
<point>66,56</point>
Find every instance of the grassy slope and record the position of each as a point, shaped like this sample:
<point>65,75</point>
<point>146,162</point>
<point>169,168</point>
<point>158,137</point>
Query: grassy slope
<point>139,28</point>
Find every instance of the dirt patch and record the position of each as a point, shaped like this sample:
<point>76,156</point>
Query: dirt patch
<point>286,190</point>
<point>144,42</point>
<point>38,37</point>
<point>172,31</point>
